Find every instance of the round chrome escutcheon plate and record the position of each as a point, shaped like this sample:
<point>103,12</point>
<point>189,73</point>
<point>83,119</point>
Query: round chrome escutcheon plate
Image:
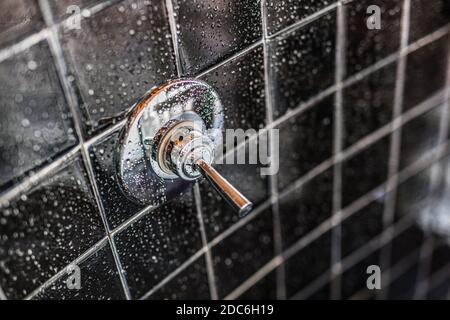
<point>138,172</point>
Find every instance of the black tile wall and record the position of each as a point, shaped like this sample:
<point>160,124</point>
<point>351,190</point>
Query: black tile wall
<point>307,142</point>
<point>302,63</point>
<point>158,243</point>
<point>18,18</point>
<point>366,46</point>
<point>55,87</point>
<point>116,56</point>
<point>36,123</point>
<point>46,228</point>
<point>190,284</point>
<point>211,31</point>
<point>99,279</point>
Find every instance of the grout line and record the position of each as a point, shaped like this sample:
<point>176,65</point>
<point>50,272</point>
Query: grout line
<point>299,24</point>
<point>313,287</point>
<point>439,276</point>
<point>100,244</point>
<point>422,277</point>
<point>273,179</point>
<point>336,232</point>
<point>105,133</point>
<point>57,51</point>
<point>173,274</point>
<point>394,157</point>
<point>208,257</point>
<point>21,46</point>
<point>2,294</point>
<point>173,31</point>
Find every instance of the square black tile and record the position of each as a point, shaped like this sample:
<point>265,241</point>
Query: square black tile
<point>117,206</point>
<point>219,215</point>
<point>99,280</point>
<point>117,56</point>
<point>190,284</point>
<point>243,253</point>
<point>354,279</point>
<point>155,245</point>
<point>209,32</point>
<point>427,16</point>
<point>368,104</point>
<point>365,46</point>
<point>430,63</point>
<point>36,123</point>
<point>302,63</point>
<point>282,14</point>
<point>365,171</point>
<point>240,85</point>
<point>305,208</point>
<point>361,227</point>
<point>403,287</point>
<point>306,141</point>
<point>413,195</point>
<point>19,18</point>
<point>419,137</point>
<point>264,289</point>
<point>407,243</point>
<point>46,228</point>
<point>308,264</point>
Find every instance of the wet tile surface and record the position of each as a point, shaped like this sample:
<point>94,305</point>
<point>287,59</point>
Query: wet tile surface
<point>368,104</point>
<point>264,289</point>
<point>282,14</point>
<point>117,206</point>
<point>308,264</point>
<point>63,9</point>
<point>240,85</point>
<point>362,227</point>
<point>307,141</point>
<point>158,243</point>
<point>118,55</point>
<point>404,286</point>
<point>428,62</point>
<point>407,243</point>
<point>427,17</point>
<point>243,253</point>
<point>36,123</point>
<point>190,284</point>
<point>208,32</point>
<point>46,228</point>
<point>306,208</point>
<point>19,18</point>
<point>367,41</point>
<point>420,136</point>
<point>302,63</point>
<point>99,279</point>
<point>365,171</point>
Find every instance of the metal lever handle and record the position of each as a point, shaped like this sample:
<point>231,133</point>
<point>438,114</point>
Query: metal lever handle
<point>238,201</point>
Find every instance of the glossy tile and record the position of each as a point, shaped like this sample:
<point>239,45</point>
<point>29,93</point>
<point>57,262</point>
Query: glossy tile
<point>155,245</point>
<point>420,136</point>
<point>118,208</point>
<point>354,279</point>
<point>282,14</point>
<point>367,41</point>
<point>46,228</point>
<point>306,141</point>
<point>209,32</point>
<point>264,289</point>
<point>428,62</point>
<point>118,55</point>
<point>219,215</point>
<point>302,63</point>
<point>244,252</point>
<point>308,264</point>
<point>427,17</point>
<point>365,171</point>
<point>368,104</point>
<point>36,124</point>
<point>362,227</point>
<point>240,85</point>
<point>19,18</point>
<point>190,284</point>
<point>305,208</point>
<point>99,280</point>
